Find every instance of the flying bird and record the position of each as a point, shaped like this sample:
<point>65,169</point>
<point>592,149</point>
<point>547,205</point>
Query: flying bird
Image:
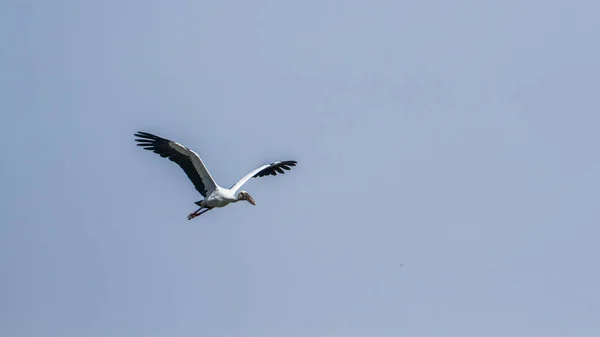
<point>214,195</point>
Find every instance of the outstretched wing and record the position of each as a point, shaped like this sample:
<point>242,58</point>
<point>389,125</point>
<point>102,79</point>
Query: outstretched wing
<point>265,170</point>
<point>187,159</point>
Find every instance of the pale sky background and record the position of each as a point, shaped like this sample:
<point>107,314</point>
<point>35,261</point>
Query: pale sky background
<point>447,185</point>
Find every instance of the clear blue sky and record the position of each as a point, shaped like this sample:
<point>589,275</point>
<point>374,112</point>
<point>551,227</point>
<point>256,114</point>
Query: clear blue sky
<point>447,182</point>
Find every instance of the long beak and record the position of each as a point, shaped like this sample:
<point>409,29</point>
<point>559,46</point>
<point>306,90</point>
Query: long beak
<point>250,199</point>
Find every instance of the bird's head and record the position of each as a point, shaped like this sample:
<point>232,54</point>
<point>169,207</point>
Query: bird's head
<point>243,195</point>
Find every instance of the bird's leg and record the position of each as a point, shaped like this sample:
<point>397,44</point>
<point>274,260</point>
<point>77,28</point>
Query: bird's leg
<point>195,214</point>
<point>206,210</point>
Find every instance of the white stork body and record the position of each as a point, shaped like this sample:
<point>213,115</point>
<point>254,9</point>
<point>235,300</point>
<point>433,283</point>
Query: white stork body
<point>220,197</point>
<point>214,195</point>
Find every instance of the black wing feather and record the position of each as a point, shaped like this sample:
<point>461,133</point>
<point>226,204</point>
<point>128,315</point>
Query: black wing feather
<point>161,147</point>
<point>275,167</point>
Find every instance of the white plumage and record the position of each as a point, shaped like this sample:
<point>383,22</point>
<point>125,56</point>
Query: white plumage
<point>214,195</point>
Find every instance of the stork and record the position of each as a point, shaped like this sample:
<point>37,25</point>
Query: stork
<point>214,195</point>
